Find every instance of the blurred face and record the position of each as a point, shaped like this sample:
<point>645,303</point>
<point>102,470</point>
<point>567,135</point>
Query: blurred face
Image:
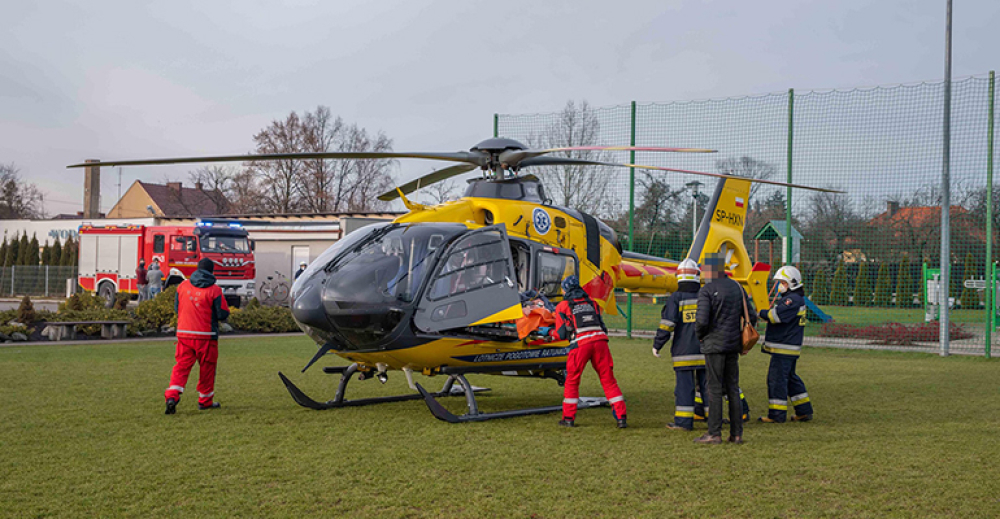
<point>782,286</point>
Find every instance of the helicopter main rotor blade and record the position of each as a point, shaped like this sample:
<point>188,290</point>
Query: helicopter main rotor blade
<point>516,158</point>
<point>426,180</point>
<point>561,161</point>
<point>477,159</point>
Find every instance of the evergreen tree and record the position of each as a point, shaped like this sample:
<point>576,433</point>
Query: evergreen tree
<point>970,296</point>
<point>904,284</point>
<point>69,258</point>
<point>838,295</point>
<point>883,286</point>
<point>821,288</point>
<point>3,253</point>
<point>31,258</point>
<point>11,258</point>
<point>46,254</point>
<point>22,250</point>
<point>56,253</point>
<point>862,287</point>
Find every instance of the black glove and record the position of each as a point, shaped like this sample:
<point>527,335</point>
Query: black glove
<point>763,315</point>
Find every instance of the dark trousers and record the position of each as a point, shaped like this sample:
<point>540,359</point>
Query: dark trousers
<point>783,387</point>
<point>687,396</point>
<point>724,381</point>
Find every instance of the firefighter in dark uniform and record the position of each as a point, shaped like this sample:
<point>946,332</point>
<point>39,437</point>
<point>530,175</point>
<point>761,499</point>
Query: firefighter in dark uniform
<point>677,320</point>
<point>783,341</point>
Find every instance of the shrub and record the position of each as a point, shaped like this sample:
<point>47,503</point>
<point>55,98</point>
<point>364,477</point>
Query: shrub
<point>121,301</point>
<point>82,301</point>
<point>904,284</point>
<point>9,329</point>
<point>157,312</point>
<point>263,319</point>
<point>883,286</point>
<point>970,296</point>
<point>862,288</point>
<point>895,334</point>
<point>26,311</point>
<point>820,288</point>
<point>838,295</point>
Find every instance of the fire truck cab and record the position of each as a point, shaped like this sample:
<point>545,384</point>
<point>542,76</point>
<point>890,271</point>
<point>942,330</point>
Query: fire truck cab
<point>109,256</point>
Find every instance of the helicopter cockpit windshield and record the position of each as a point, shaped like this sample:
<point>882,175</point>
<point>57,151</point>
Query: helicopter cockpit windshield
<point>365,287</point>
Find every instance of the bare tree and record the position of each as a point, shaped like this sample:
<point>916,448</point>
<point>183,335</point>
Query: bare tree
<point>747,167</point>
<point>280,180</point>
<point>440,193</point>
<point>576,186</point>
<point>18,199</point>
<point>322,133</point>
<point>361,181</point>
<point>216,182</point>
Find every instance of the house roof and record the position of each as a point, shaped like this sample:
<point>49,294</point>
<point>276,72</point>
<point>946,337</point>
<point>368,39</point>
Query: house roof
<point>186,201</point>
<point>776,229</point>
<point>915,216</point>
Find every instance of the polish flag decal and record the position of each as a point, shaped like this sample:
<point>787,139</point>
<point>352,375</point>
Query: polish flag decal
<point>739,202</point>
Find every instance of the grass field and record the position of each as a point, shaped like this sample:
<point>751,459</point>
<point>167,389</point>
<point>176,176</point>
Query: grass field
<point>82,433</point>
<point>647,316</point>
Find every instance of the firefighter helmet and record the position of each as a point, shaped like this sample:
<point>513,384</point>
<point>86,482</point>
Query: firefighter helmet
<point>688,271</point>
<point>790,275</point>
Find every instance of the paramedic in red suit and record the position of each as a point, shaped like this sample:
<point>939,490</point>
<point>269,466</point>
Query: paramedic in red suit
<point>578,318</point>
<point>200,306</point>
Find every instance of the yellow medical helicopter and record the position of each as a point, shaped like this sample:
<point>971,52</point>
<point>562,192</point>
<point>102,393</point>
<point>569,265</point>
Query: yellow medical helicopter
<point>435,291</point>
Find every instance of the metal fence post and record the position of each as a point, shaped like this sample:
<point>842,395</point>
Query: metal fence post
<point>990,311</point>
<point>631,214</point>
<point>46,281</point>
<point>945,325</point>
<point>496,125</point>
<point>788,191</point>
<point>12,267</point>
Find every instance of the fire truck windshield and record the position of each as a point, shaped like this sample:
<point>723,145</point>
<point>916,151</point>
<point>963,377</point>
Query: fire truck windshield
<point>227,244</point>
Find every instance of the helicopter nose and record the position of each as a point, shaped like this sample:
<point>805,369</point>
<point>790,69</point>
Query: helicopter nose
<point>308,307</point>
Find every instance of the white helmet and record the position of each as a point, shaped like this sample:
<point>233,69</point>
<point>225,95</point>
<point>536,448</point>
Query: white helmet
<point>688,271</point>
<point>303,264</point>
<point>790,275</point>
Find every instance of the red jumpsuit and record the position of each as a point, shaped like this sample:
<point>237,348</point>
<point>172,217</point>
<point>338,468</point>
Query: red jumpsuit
<point>579,320</point>
<point>199,310</point>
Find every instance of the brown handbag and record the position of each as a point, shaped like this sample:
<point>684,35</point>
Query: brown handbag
<point>750,335</point>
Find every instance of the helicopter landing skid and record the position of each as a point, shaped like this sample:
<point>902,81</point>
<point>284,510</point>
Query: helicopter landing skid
<point>346,373</point>
<point>474,415</point>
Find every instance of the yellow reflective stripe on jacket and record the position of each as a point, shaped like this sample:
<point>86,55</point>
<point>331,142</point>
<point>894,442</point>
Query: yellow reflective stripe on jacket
<point>782,349</point>
<point>667,325</point>
<point>683,361</point>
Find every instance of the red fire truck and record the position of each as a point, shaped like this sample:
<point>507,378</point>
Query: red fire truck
<point>109,256</point>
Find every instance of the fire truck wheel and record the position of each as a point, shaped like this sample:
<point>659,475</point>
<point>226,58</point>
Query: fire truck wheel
<point>233,301</point>
<point>107,291</point>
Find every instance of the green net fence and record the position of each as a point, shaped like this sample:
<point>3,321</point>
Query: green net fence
<point>868,256</point>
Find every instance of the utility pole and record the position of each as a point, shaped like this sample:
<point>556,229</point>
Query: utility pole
<point>694,211</point>
<point>946,196</point>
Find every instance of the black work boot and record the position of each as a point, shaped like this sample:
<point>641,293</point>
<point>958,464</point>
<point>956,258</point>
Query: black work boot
<point>567,422</point>
<point>621,423</point>
<point>171,406</point>
<point>213,405</point>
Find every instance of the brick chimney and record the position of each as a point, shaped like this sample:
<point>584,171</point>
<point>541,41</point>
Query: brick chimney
<point>175,187</point>
<point>199,186</point>
<point>892,208</point>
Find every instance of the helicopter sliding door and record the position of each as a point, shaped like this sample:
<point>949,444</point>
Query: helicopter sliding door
<point>472,284</point>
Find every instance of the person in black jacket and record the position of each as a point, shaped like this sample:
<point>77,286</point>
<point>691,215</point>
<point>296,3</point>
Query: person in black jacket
<point>719,323</point>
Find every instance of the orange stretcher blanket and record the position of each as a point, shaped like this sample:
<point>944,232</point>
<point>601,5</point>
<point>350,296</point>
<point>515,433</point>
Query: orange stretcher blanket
<point>535,316</point>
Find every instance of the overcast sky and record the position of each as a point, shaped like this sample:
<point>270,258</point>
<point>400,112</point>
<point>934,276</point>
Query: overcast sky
<point>129,79</point>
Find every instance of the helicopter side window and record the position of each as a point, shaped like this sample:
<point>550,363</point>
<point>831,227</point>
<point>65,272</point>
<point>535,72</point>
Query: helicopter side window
<point>520,255</point>
<point>476,262</point>
<point>552,269</point>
